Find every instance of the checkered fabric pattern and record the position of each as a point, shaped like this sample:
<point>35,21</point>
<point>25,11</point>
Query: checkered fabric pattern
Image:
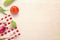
<point>10,33</point>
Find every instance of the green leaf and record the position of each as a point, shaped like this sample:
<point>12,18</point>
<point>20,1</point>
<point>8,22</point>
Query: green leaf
<point>2,11</point>
<point>8,2</point>
<point>13,24</point>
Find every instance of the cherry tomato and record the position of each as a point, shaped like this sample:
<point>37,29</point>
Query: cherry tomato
<point>14,10</point>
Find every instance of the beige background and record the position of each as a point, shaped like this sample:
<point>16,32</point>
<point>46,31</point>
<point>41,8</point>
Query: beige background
<point>38,19</point>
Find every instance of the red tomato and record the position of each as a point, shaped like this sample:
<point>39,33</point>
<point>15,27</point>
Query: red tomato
<point>14,10</point>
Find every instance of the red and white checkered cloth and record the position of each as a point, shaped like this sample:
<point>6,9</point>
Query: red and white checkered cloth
<point>10,33</point>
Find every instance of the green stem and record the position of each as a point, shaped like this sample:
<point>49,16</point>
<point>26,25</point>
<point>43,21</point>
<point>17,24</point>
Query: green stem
<point>4,13</point>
